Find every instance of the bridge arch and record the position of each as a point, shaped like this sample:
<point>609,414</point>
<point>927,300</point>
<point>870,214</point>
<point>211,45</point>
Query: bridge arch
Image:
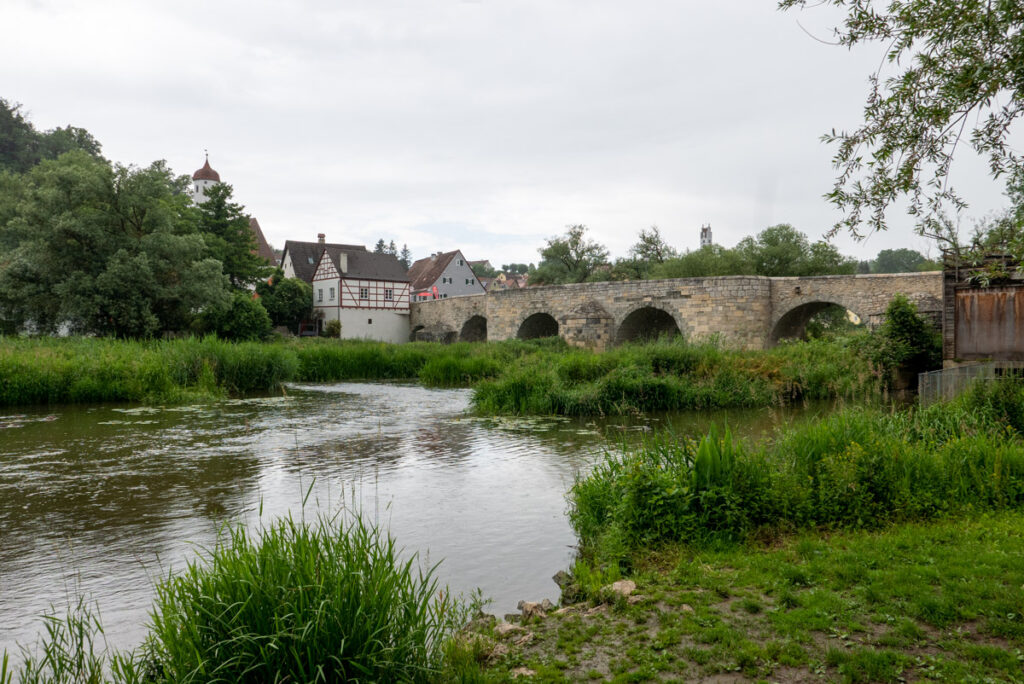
<point>536,325</point>
<point>793,323</point>
<point>647,323</point>
<point>474,330</point>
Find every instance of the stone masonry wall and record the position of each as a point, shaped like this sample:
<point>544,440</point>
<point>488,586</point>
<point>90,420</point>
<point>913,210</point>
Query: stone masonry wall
<point>742,310</point>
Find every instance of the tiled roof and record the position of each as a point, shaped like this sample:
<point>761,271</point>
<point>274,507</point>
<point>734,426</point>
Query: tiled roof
<point>305,256</point>
<point>206,173</point>
<point>262,246</point>
<point>368,265</point>
<point>425,272</point>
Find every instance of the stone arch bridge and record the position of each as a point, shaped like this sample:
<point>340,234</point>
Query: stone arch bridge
<point>750,312</point>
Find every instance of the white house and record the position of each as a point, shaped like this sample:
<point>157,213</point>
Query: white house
<point>366,291</point>
<point>443,275</point>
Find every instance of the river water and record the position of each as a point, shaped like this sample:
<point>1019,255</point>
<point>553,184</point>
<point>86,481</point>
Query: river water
<point>102,501</point>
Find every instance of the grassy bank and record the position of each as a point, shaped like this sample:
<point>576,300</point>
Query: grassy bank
<point>83,370</point>
<point>858,468</point>
<point>511,377</point>
<point>672,375</point>
<point>295,603</point>
<point>939,601</point>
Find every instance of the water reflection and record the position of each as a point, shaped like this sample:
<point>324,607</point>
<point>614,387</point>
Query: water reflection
<point>102,500</point>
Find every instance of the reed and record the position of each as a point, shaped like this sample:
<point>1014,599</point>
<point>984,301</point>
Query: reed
<point>858,468</point>
<point>295,602</point>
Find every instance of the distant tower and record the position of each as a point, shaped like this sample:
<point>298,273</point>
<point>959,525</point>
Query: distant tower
<point>202,180</point>
<point>705,234</point>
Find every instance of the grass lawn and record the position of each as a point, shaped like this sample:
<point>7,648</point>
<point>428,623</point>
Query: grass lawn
<point>941,601</point>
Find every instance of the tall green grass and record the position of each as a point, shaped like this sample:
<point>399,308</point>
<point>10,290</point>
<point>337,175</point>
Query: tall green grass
<point>295,602</point>
<point>514,376</point>
<point>858,468</point>
<point>674,374</point>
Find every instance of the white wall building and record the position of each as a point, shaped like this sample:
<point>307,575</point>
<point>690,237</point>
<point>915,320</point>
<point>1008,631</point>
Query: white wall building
<point>367,292</point>
<point>443,275</point>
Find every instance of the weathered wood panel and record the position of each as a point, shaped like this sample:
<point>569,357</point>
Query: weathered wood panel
<point>990,323</point>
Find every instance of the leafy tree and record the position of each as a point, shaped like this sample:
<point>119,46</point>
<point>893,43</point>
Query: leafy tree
<point>515,269</point>
<point>288,301</point>
<point>569,258</point>
<point>405,257</point>
<point>900,260</point>
<point>22,146</point>
<point>651,248</point>
<point>243,319</point>
<point>229,239</point>
<point>108,251</point>
<point>784,251</point>
<point>956,79</point>
<point>706,262</point>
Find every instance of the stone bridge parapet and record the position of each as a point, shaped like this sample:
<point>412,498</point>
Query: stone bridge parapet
<point>750,312</point>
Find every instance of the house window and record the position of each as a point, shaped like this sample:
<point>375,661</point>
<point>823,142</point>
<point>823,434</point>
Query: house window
<point>320,294</point>
<point>364,293</point>
<point>332,294</point>
<point>369,321</point>
<point>389,294</point>
<point>310,259</point>
<point>460,262</point>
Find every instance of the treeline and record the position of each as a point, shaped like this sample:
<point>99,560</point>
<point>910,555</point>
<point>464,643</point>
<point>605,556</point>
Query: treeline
<point>779,250</point>
<point>90,247</point>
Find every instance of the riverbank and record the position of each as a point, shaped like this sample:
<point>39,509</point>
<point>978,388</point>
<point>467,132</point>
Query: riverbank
<point>927,601</point>
<point>868,547</point>
<point>512,377</point>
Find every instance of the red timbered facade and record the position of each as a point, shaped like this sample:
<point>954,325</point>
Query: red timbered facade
<point>367,292</point>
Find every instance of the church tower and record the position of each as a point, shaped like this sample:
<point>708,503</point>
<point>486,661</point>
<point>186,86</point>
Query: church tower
<point>202,180</point>
<point>705,235</point>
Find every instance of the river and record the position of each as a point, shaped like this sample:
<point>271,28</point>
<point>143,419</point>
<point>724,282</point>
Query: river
<point>102,501</point>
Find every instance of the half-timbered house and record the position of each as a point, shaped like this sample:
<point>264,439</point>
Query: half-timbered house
<point>366,291</point>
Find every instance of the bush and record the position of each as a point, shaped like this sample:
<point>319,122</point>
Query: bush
<point>244,319</point>
<point>331,329</point>
<point>858,468</point>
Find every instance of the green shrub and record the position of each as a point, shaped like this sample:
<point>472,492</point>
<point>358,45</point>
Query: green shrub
<point>858,468</point>
<point>331,329</point>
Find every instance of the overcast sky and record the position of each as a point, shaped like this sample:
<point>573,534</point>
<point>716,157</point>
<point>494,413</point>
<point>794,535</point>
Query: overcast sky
<point>484,125</point>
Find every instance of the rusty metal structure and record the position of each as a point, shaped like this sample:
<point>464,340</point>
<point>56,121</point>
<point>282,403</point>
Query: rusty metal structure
<point>983,310</point>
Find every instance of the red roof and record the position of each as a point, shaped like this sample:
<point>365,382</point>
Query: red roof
<point>206,173</point>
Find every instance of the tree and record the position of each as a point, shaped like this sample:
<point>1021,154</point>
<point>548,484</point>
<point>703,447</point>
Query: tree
<point>405,257</point>
<point>102,250</point>
<point>651,248</point>
<point>956,79</point>
<point>782,250</point>
<point>243,319</point>
<point>515,269</point>
<point>392,249</point>
<point>229,239</point>
<point>22,146</point>
<point>900,260</point>
<point>706,262</point>
<point>569,258</point>
<point>381,247</point>
<point>288,301</point>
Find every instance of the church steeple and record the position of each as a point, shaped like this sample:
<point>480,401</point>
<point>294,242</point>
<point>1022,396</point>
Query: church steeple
<point>202,179</point>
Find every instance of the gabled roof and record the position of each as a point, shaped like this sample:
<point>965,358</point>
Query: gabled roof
<point>425,272</point>
<point>306,255</point>
<point>367,265</point>
<point>262,246</point>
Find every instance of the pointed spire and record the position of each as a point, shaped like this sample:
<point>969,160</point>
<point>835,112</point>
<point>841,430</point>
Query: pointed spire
<point>207,172</point>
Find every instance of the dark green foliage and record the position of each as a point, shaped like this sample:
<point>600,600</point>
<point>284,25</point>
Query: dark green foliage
<point>288,301</point>
<point>225,230</point>
<point>905,341</point>
<point>243,320</point>
<point>101,250</point>
<point>857,468</point>
<point>331,329</point>
<point>22,146</point>
<point>569,258</point>
<point>328,601</point>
